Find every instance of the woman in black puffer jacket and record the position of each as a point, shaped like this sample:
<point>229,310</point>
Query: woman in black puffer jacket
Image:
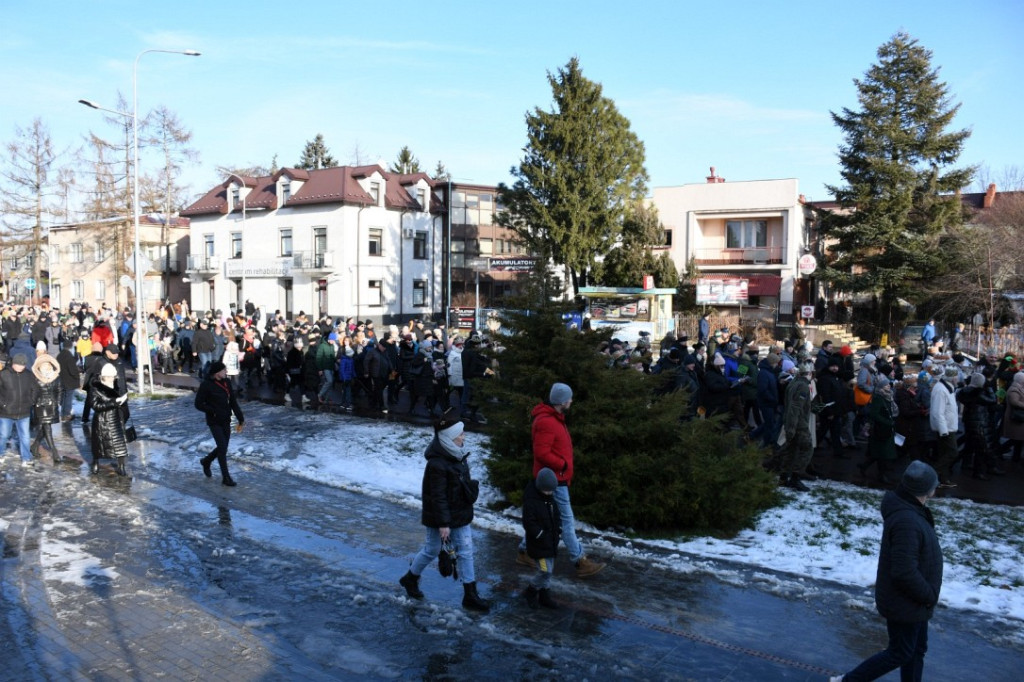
<point>47,373</point>
<point>108,439</point>
<point>448,496</point>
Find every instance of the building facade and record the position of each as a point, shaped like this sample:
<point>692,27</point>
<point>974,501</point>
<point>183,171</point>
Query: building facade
<point>754,230</point>
<point>84,265</point>
<point>344,241</point>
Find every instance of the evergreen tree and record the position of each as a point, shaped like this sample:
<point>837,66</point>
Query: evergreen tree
<point>583,167</point>
<point>897,162</point>
<point>637,463</point>
<point>315,155</point>
<point>441,172</point>
<point>406,163</point>
<point>626,265</point>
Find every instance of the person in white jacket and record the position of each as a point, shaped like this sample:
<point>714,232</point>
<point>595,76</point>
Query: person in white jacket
<point>945,422</point>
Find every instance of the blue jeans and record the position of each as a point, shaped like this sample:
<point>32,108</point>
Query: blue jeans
<point>67,399</point>
<point>908,643</point>
<point>462,539</point>
<point>569,539</point>
<point>24,439</point>
<point>326,382</point>
<point>204,363</point>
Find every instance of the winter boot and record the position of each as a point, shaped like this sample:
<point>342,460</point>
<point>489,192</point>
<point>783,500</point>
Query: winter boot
<point>532,596</point>
<point>545,599</point>
<point>206,462</point>
<point>796,484</point>
<point>525,559</point>
<point>586,568</point>
<point>411,583</point>
<point>120,467</point>
<point>228,481</point>
<point>472,601</point>
<point>94,468</point>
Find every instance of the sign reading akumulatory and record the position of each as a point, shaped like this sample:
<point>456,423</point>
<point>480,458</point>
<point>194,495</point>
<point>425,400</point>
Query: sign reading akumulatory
<point>512,264</point>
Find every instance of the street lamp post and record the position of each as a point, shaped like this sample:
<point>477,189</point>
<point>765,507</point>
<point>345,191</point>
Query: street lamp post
<point>141,344</point>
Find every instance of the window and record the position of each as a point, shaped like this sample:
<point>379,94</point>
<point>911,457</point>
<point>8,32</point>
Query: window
<point>236,244</point>
<point>78,290</point>
<point>458,253</point>
<point>421,197</point>
<point>375,192</point>
<point>419,292</point>
<point>54,255</point>
<point>486,247</point>
<point>666,238</point>
<point>419,246</point>
<point>236,196</point>
<point>746,233</point>
<point>76,257</point>
<point>376,293</point>
<point>286,241</point>
<point>208,245</point>
<point>320,240</point>
<point>100,252</point>
<point>286,192</point>
<point>101,290</point>
<point>376,241</point>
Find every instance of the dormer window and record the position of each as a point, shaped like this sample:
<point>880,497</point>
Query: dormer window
<point>421,196</point>
<point>375,192</point>
<point>236,196</point>
<point>286,191</point>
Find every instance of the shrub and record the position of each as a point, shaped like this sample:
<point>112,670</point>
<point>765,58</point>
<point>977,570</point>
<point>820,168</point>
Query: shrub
<point>638,464</point>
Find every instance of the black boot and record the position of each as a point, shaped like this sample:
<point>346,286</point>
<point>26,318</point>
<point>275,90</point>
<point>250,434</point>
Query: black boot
<point>545,599</point>
<point>532,596</point>
<point>120,467</point>
<point>94,468</point>
<point>206,462</point>
<point>796,484</point>
<point>472,601</point>
<point>411,583</point>
<point>228,481</point>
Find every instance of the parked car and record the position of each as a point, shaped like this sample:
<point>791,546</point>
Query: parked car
<point>910,339</point>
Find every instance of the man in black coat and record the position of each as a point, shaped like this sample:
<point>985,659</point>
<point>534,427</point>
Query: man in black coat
<point>909,577</point>
<point>18,392</point>
<point>70,377</point>
<point>217,400</point>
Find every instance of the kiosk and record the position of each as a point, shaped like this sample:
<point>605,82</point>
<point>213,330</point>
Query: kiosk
<point>631,310</point>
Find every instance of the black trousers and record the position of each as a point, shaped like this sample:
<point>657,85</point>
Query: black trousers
<point>221,436</point>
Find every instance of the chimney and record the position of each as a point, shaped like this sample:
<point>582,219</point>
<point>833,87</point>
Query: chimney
<point>990,196</point>
<point>713,179</point>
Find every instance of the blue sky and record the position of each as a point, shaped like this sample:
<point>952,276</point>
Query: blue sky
<point>744,86</point>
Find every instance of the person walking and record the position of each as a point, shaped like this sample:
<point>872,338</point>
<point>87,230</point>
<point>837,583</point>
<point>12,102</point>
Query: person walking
<point>448,495</point>
<point>541,524</point>
<point>47,373</point>
<point>798,449</point>
<point>944,419</point>
<point>552,448</point>
<point>18,393</point>
<point>109,405</point>
<point>909,577</point>
<point>70,378</point>
<point>216,399</point>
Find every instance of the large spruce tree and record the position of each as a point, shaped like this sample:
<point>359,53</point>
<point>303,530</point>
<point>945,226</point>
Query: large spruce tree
<point>626,265</point>
<point>315,155</point>
<point>582,167</point>
<point>897,161</point>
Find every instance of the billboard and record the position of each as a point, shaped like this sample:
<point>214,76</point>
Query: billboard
<point>731,291</point>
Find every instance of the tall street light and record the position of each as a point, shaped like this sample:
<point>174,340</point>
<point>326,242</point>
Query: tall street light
<point>141,344</point>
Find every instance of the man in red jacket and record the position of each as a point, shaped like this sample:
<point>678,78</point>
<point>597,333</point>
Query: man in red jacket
<point>552,448</point>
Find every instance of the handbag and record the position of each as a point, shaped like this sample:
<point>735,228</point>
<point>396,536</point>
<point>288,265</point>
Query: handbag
<point>447,561</point>
<point>861,397</point>
<point>130,434</point>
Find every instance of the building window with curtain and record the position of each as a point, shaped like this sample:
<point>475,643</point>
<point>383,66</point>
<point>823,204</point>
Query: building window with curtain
<point>419,246</point>
<point>236,244</point>
<point>744,234</point>
<point>286,241</point>
<point>419,293</point>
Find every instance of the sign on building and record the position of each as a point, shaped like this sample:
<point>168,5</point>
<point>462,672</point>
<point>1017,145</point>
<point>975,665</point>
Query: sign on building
<point>731,291</point>
<point>512,264</point>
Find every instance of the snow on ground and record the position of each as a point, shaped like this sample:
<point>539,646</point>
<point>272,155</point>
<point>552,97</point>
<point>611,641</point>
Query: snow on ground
<point>831,533</point>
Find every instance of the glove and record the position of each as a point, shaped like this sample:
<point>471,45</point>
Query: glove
<point>122,400</point>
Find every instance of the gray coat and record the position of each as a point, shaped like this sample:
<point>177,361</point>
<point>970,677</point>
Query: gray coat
<point>1014,399</point>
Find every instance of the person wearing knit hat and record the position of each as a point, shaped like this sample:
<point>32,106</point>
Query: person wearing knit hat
<point>979,403</point>
<point>109,407</point>
<point>217,400</point>
<point>909,576</point>
<point>40,347</point>
<point>552,448</point>
<point>449,493</point>
<point>47,372</point>
<point>882,412</point>
<point>542,529</point>
<point>18,393</point>
<point>943,416</point>
<point>797,450</point>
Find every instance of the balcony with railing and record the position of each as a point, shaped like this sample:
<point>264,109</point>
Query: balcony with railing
<point>757,255</point>
<point>313,261</point>
<point>198,262</point>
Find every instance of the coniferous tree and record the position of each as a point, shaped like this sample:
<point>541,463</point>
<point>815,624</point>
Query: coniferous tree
<point>315,155</point>
<point>899,193</point>
<point>626,265</point>
<point>406,163</point>
<point>441,172</point>
<point>583,167</point>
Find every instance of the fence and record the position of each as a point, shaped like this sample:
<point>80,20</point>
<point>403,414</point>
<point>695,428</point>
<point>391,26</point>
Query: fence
<point>757,322</point>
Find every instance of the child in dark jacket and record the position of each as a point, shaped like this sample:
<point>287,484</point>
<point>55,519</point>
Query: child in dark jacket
<point>542,525</point>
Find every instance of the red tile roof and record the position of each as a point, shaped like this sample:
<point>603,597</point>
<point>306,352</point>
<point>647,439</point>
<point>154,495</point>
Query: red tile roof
<point>321,186</point>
